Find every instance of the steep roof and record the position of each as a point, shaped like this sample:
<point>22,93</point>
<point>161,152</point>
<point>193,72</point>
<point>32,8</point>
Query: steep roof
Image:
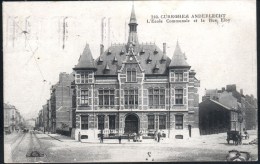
<point>86,60</point>
<point>133,17</point>
<point>116,51</point>
<point>178,59</point>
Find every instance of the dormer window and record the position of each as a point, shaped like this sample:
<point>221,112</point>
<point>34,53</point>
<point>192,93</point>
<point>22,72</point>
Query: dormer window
<point>115,60</point>
<point>122,52</point>
<point>155,51</point>
<point>149,60</point>
<point>109,52</point>
<point>100,60</point>
<point>156,68</point>
<point>163,60</point>
<point>107,69</point>
<point>142,51</point>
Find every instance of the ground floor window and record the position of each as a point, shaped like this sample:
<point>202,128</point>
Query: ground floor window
<point>162,122</point>
<point>84,122</point>
<point>101,122</point>
<point>178,121</point>
<point>151,122</point>
<point>112,122</point>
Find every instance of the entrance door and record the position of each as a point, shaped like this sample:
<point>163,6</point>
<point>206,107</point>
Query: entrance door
<point>131,124</point>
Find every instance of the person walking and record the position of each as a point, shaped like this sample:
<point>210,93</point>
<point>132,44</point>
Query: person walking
<point>159,136</point>
<point>155,136</point>
<point>101,138</point>
<point>119,139</point>
<point>128,137</point>
<point>79,136</point>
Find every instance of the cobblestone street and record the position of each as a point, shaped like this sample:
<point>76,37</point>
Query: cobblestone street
<point>57,148</point>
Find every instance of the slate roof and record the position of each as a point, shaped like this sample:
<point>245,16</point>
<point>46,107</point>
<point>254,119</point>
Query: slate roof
<point>178,59</point>
<point>86,60</point>
<point>115,51</point>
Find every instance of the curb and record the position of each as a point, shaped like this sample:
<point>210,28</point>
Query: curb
<point>55,138</point>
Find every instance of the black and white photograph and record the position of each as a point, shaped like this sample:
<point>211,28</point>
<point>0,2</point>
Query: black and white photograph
<point>129,81</point>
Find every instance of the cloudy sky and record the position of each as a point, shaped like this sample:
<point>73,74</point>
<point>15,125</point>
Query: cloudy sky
<point>220,53</point>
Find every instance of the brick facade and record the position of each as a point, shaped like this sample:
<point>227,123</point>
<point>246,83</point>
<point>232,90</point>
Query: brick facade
<point>131,83</point>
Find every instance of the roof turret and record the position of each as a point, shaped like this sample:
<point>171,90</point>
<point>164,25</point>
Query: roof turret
<point>178,59</point>
<point>86,60</point>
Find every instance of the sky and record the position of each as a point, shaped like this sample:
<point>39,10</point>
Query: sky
<point>220,53</point>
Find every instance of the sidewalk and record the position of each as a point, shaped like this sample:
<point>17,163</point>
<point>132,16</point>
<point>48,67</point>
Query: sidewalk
<point>61,138</point>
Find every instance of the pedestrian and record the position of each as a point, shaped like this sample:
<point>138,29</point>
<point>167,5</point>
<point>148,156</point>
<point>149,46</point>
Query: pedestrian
<point>101,138</point>
<point>119,138</point>
<point>155,136</point>
<point>128,137</point>
<point>79,136</point>
<point>159,136</point>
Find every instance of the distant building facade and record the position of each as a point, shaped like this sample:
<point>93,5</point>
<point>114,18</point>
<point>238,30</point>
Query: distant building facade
<point>135,88</point>
<point>12,118</point>
<point>230,100</point>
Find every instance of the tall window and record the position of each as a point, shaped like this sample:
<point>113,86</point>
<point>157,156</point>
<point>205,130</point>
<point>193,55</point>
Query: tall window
<point>151,122</point>
<point>84,97</point>
<point>84,122</point>
<point>178,96</point>
<point>101,122</point>
<point>179,76</point>
<point>131,98</point>
<point>106,97</point>
<point>162,122</point>
<point>82,77</point>
<point>178,121</point>
<point>131,75</point>
<point>112,122</point>
<point>156,97</point>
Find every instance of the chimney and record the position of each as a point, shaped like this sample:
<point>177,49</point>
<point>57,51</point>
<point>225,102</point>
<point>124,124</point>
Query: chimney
<point>101,49</point>
<point>164,48</point>
<point>241,91</point>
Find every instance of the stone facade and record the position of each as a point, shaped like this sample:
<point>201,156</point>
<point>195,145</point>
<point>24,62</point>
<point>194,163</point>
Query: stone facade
<point>135,88</point>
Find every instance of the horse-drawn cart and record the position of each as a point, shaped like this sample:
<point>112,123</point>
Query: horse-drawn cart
<point>235,136</point>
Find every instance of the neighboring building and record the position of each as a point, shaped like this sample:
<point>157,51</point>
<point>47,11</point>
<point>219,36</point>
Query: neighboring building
<point>45,117</point>
<point>12,118</point>
<point>215,117</point>
<point>135,88</point>
<point>229,97</point>
<point>251,112</point>
<point>61,104</point>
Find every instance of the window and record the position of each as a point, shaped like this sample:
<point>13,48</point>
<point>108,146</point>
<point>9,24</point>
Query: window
<point>179,76</point>
<point>162,122</point>
<point>101,122</point>
<point>151,122</point>
<point>178,96</point>
<point>106,97</point>
<point>178,121</point>
<point>84,122</point>
<point>112,122</point>
<point>82,77</point>
<point>131,98</point>
<point>84,97</point>
<point>156,97</point>
<point>131,75</point>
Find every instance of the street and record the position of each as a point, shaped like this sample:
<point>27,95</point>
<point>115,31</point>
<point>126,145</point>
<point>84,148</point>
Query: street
<point>57,148</point>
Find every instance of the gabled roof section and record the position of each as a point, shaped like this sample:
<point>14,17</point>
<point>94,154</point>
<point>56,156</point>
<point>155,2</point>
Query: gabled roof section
<point>86,60</point>
<point>178,59</point>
